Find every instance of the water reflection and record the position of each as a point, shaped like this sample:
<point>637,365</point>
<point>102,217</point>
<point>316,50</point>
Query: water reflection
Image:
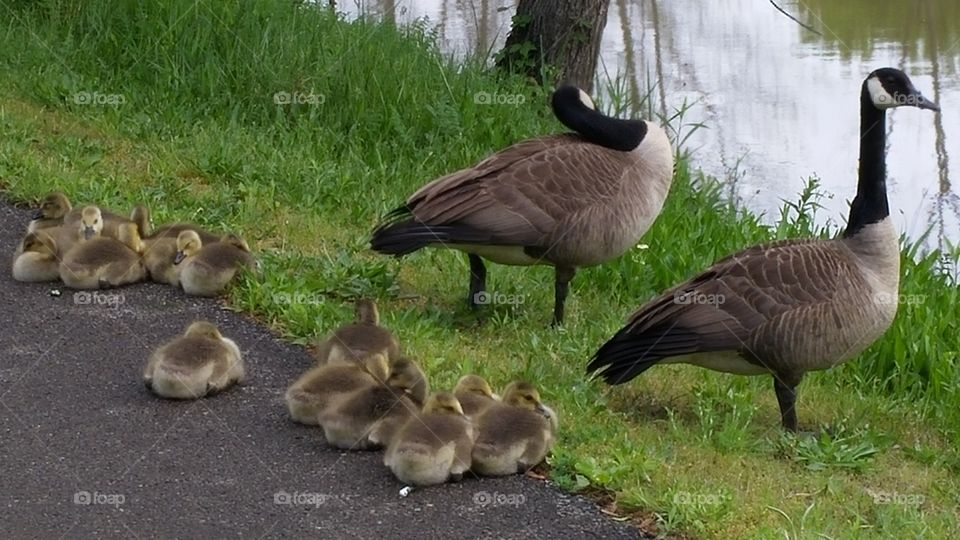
<point>781,102</point>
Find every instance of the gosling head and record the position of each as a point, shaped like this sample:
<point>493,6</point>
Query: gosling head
<point>377,366</point>
<point>91,222</point>
<point>39,242</point>
<point>188,244</point>
<point>406,376</point>
<point>890,87</point>
<point>53,206</point>
<point>474,384</point>
<point>235,241</point>
<point>203,329</point>
<point>129,235</point>
<point>443,403</point>
<point>525,396</point>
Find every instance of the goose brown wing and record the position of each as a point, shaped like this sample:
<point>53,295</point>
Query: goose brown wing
<point>721,308</point>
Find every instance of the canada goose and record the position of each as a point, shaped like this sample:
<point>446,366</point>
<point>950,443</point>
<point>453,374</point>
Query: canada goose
<point>201,362</point>
<point>208,268</point>
<point>434,446</point>
<point>360,338</point>
<point>514,435</point>
<point>102,262</point>
<point>570,200</point>
<point>36,259</point>
<point>368,418</point>
<point>474,394</point>
<point>320,387</point>
<point>51,212</point>
<point>791,306</point>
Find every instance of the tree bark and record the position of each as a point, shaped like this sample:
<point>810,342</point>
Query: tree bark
<point>556,38</point>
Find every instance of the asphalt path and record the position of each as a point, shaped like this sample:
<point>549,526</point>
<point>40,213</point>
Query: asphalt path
<point>87,452</point>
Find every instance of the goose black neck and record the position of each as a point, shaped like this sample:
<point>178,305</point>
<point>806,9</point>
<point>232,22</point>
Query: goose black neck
<point>870,204</point>
<point>623,135</point>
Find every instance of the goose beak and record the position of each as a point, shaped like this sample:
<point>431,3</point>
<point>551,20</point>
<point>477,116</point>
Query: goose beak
<point>88,233</point>
<point>178,258</point>
<point>924,103</point>
<point>543,410</point>
<point>38,214</point>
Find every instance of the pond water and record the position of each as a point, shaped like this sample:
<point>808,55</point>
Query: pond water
<point>780,102</point>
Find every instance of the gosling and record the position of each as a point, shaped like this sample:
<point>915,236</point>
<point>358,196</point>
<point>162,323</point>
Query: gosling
<point>359,339</point>
<point>318,388</point>
<point>433,447</point>
<point>474,394</point>
<point>201,362</point>
<point>207,269</point>
<point>515,435</point>
<point>36,259</point>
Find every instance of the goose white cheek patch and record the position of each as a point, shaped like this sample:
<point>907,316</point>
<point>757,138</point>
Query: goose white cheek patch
<point>879,96</point>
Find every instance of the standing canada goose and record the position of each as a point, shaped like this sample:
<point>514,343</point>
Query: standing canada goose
<point>36,259</point>
<point>322,386</point>
<point>474,394</point>
<point>103,262</point>
<point>787,307</point>
<point>359,339</point>
<point>368,418</point>
<point>208,268</point>
<point>515,435</point>
<point>434,446</point>
<point>569,200</point>
<point>201,362</point>
<point>51,212</point>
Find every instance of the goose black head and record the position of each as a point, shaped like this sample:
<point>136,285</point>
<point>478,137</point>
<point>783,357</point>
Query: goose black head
<point>890,87</point>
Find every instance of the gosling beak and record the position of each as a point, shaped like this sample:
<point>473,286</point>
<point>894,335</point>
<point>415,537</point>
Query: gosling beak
<point>88,233</point>
<point>38,214</point>
<point>178,258</point>
<point>543,410</point>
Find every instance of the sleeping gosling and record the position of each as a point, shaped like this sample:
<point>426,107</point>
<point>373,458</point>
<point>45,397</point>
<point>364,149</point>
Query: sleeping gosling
<point>51,212</point>
<point>515,435</point>
<point>199,363</point>
<point>474,394</point>
<point>318,388</point>
<point>368,418</point>
<point>36,258</point>
<point>359,339</point>
<point>208,269</point>
<point>104,262</point>
<point>434,446</point>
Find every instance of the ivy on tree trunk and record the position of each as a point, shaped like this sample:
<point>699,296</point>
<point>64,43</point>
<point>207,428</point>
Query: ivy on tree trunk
<point>560,34</point>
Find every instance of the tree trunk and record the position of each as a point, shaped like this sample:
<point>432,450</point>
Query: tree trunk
<point>560,35</point>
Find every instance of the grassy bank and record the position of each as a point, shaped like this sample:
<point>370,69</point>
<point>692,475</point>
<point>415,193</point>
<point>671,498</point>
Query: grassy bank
<point>176,104</point>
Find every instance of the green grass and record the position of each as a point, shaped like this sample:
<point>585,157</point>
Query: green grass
<point>198,136</point>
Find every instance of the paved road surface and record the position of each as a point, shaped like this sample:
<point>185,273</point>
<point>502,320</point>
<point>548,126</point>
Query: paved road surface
<point>77,426</point>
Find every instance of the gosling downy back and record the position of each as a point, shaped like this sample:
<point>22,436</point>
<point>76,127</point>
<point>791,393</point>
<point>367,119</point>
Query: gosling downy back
<point>359,339</point>
<point>199,363</point>
<point>104,262</point>
<point>569,201</point>
<point>787,307</point>
<point>515,435</point>
<point>368,418</point>
<point>321,386</point>
<point>434,446</point>
<point>209,271</point>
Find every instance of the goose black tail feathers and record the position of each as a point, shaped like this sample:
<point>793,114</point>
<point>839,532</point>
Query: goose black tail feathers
<point>400,234</point>
<point>627,355</point>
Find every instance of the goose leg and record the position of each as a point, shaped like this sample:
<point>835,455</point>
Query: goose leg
<point>478,282</point>
<point>561,286</point>
<point>786,389</point>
